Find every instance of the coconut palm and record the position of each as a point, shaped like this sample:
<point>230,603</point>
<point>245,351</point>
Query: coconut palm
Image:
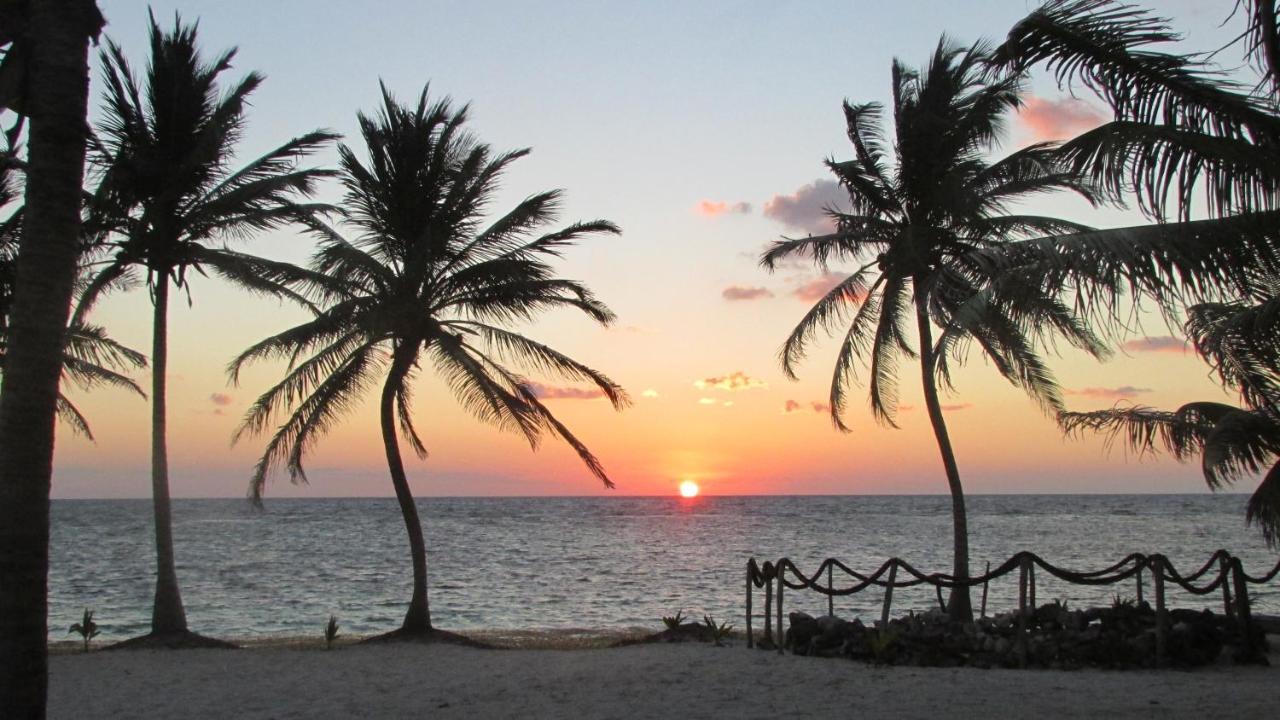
<point>1242,342</point>
<point>912,230</point>
<point>426,279</point>
<point>44,76</point>
<point>169,198</point>
<point>90,357</point>
<point>1182,129</point>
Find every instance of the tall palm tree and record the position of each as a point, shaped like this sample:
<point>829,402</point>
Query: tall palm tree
<point>1182,129</point>
<point>47,64</point>
<point>169,197</point>
<point>914,228</point>
<point>426,279</point>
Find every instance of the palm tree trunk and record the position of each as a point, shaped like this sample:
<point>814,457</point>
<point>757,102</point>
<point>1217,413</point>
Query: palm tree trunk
<point>167,614</point>
<point>959,606</point>
<point>58,81</point>
<point>418,618</point>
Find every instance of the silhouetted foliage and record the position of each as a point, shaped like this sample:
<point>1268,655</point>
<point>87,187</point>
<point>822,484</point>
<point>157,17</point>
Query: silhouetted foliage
<point>169,199</point>
<point>425,278</point>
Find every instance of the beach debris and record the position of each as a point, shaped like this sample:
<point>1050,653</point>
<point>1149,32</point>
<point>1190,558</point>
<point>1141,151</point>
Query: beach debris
<point>330,632</point>
<point>87,628</point>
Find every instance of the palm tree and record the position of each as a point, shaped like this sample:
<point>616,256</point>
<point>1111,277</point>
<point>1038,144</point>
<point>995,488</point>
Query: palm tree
<point>48,67</point>
<point>914,230</point>
<point>90,357</point>
<point>426,279</point>
<point>1181,129</point>
<point>168,194</point>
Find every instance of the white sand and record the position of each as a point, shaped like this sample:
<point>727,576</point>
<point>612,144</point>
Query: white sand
<point>645,681</point>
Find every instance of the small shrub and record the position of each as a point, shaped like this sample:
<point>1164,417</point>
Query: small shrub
<point>673,621</point>
<point>330,632</point>
<point>718,632</point>
<point>87,628</point>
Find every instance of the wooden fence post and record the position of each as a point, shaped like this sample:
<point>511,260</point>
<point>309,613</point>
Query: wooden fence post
<point>781,584</point>
<point>888,593</point>
<point>1224,571</point>
<point>1140,568</point>
<point>831,598</point>
<point>985,584</point>
<point>768,608</point>
<point>1162,615</point>
<point>1031,584</point>
<point>750,639</point>
<point>1244,615</point>
<point>1024,570</point>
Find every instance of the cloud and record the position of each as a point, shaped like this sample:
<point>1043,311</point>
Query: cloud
<point>792,406</point>
<point>649,393</point>
<point>957,406</point>
<point>806,208</point>
<point>551,392</point>
<point>817,288</point>
<point>220,399</point>
<point>1124,391</point>
<point>734,381</point>
<point>1159,344</point>
<point>706,401</point>
<point>737,292</point>
<point>1060,119</point>
<point>716,208</point>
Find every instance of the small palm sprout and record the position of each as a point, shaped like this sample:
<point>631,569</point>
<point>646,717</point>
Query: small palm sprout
<point>330,632</point>
<point>673,621</point>
<point>87,628</point>
<point>718,632</point>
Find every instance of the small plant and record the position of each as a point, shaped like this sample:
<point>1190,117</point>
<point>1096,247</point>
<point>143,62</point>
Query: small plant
<point>87,628</point>
<point>673,621</point>
<point>881,642</point>
<point>330,632</point>
<point>718,632</point>
<point>1123,604</point>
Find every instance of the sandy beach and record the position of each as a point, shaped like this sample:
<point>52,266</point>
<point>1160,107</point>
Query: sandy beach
<point>664,680</point>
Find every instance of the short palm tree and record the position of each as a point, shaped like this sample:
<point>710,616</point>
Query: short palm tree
<point>168,199</point>
<point>914,230</point>
<point>1182,129</point>
<point>426,279</point>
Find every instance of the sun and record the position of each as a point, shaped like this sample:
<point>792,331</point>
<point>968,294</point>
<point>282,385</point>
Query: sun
<point>688,489</point>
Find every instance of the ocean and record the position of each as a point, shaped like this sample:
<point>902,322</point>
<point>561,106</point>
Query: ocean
<point>601,562</point>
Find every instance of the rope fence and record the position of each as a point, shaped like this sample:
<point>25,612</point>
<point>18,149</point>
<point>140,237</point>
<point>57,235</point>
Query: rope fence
<point>1222,572</point>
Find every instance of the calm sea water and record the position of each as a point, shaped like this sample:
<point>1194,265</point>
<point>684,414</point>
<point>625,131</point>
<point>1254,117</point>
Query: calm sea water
<point>590,562</point>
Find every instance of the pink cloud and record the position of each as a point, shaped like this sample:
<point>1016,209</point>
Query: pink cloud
<point>716,208</point>
<point>817,288</point>
<point>1060,119</point>
<point>957,406</point>
<point>734,381</point>
<point>551,392</point>
<point>737,292</point>
<point>820,407</point>
<point>220,399</point>
<point>807,208</point>
<point>1158,344</point>
<point>1124,391</point>
<point>791,407</point>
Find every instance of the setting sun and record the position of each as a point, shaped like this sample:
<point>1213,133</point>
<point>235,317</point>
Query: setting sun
<point>688,489</point>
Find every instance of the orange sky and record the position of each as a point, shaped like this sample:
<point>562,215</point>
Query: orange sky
<point>700,170</point>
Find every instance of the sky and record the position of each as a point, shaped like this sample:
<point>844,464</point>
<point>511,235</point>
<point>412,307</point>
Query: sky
<point>700,129</point>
